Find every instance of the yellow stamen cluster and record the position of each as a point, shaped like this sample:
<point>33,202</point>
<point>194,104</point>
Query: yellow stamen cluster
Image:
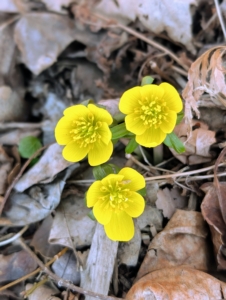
<point>151,111</point>
<point>117,194</point>
<point>85,131</point>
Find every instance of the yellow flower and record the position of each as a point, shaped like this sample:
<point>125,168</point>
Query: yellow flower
<point>84,130</point>
<point>151,112</point>
<point>115,202</point>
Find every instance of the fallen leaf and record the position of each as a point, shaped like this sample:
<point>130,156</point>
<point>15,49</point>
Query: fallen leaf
<point>212,213</point>
<point>71,222</point>
<point>45,170</point>
<point>16,265</point>
<point>45,291</point>
<point>42,37</point>
<point>197,145</point>
<point>182,241</point>
<point>177,283</point>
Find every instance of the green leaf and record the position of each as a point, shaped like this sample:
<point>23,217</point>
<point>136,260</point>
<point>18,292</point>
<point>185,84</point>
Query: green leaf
<point>86,102</point>
<point>142,192</point>
<point>91,215</point>
<point>174,142</point>
<point>132,145</point>
<point>119,131</point>
<point>147,80</point>
<point>180,117</point>
<point>99,172</point>
<point>28,146</point>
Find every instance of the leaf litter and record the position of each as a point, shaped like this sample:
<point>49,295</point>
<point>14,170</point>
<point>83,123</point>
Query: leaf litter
<point>58,53</point>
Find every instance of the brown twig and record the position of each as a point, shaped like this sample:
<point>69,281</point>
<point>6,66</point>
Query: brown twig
<point>18,177</point>
<point>61,282</point>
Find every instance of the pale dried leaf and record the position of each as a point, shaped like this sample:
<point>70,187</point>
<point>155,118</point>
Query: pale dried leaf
<point>206,74</point>
<point>46,169</point>
<point>42,37</point>
<point>37,203</point>
<point>169,200</point>
<point>177,283</point>
<point>8,6</point>
<point>40,240</point>
<point>71,222</point>
<point>197,145</point>
<point>6,164</point>
<point>174,17</point>
<point>183,241</point>
<point>16,265</point>
<point>66,267</point>
<point>45,291</point>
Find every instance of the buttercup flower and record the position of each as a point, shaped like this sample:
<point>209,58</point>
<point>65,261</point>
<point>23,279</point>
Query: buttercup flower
<point>84,130</point>
<point>115,202</point>
<point>151,112</point>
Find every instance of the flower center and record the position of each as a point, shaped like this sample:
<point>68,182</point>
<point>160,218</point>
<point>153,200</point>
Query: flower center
<point>85,131</point>
<point>117,194</point>
<point>152,111</point>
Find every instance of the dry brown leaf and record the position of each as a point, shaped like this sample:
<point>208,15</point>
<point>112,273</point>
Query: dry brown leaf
<point>197,145</point>
<point>206,74</point>
<point>16,265</point>
<point>57,5</point>
<point>177,283</point>
<point>182,242</point>
<point>212,212</point>
<point>6,163</point>
<point>169,200</point>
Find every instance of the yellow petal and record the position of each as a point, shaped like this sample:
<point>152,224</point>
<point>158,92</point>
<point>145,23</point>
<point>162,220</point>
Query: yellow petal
<point>151,91</point>
<point>134,124</point>
<point>72,152</point>
<point>100,153</point>
<point>168,125</point>
<point>111,179</point>
<point>136,205</point>
<point>129,100</point>
<point>76,111</point>
<point>62,131</point>
<point>172,97</point>
<point>93,193</point>
<point>151,137</point>
<point>100,114</point>
<point>120,227</point>
<point>102,212</point>
<point>105,133</point>
<point>136,180</point>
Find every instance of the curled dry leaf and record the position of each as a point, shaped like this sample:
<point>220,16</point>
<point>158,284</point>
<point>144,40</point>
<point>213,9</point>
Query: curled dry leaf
<point>182,242</point>
<point>197,145</point>
<point>206,75</point>
<point>37,203</point>
<point>213,213</point>
<point>177,283</point>
<point>6,163</point>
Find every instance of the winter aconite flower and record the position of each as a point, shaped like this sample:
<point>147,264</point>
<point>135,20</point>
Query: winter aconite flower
<point>151,112</point>
<point>115,202</point>
<point>84,130</point>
